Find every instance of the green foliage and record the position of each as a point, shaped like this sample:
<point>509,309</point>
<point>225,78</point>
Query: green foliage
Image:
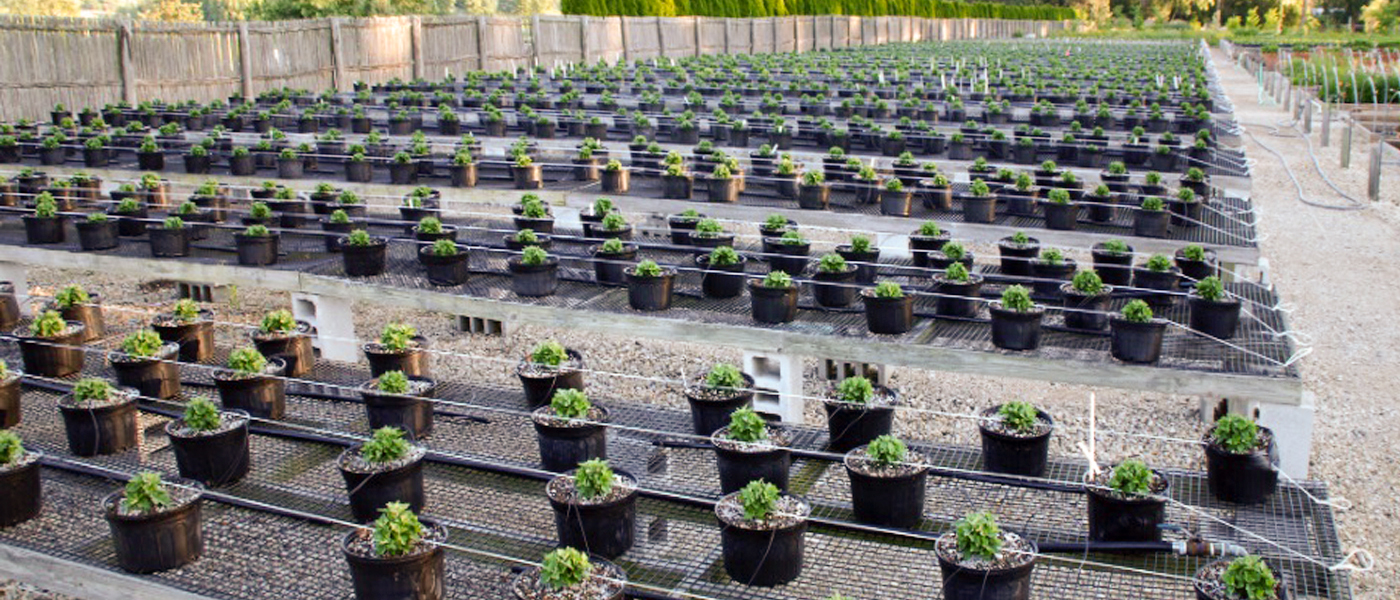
<point>648,269</point>
<point>396,337</point>
<point>48,325</point>
<point>888,290</point>
<point>777,279</point>
<point>549,353</point>
<point>759,499</point>
<point>247,361</point>
<point>978,536</point>
<point>723,256</point>
<point>1137,311</point>
<point>340,217</point>
<point>392,382</point>
<point>534,256</point>
<point>527,236</point>
<point>1153,204</point>
<point>564,568</point>
<point>70,296</point>
<point>430,225</point>
<point>746,426</point>
<point>397,531</point>
<point>1210,289</point>
<point>886,450</point>
<point>145,343</point>
<point>278,321</point>
<point>1088,283</point>
<point>860,243</point>
<point>930,229</point>
<point>359,238</point>
<point>832,263</point>
<point>724,376</point>
<point>97,217</point>
<point>1059,196</point>
<point>91,390</point>
<point>957,272</point>
<point>260,210</point>
<point>775,222</point>
<point>145,492</point>
<point>614,221</point>
<point>1131,478</point>
<point>257,231</point>
<point>11,448</point>
<point>612,246</point>
<point>1159,263</point>
<point>444,247</point>
<point>570,404</point>
<point>954,251</point>
<point>386,445</point>
<point>1194,252</point>
<point>593,479</point>
<point>857,390</point>
<point>952,9</point>
<point>709,226</point>
<point>202,415</point>
<point>1247,577</point>
<point>980,188</point>
<point>1019,416</point>
<point>1235,434</point>
<point>1016,298</point>
<point>1114,246</point>
<point>173,223</point>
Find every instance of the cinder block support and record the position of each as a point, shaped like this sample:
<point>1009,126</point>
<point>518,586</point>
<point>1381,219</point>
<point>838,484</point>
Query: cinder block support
<point>334,320</point>
<point>18,276</point>
<point>836,370</point>
<point>1292,425</point>
<point>778,379</point>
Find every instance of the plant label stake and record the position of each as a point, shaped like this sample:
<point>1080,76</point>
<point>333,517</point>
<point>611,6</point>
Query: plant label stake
<point>1089,451</point>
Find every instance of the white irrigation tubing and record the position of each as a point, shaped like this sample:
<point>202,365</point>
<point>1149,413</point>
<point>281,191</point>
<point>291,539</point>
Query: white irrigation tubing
<point>1355,204</point>
<point>681,383</point>
<point>1362,554</point>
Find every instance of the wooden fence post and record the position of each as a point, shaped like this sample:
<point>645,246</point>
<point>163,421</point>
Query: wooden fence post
<point>660,37</point>
<point>128,70</point>
<point>338,78</point>
<point>416,30</point>
<point>481,29</point>
<point>726,36</point>
<point>534,40</point>
<point>583,39</point>
<point>626,47</point>
<point>695,26</point>
<point>245,61</point>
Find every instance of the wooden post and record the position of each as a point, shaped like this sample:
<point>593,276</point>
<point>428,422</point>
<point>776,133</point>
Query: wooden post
<point>774,22</point>
<point>481,29</point>
<point>416,30</point>
<point>695,25</point>
<point>1346,143</point>
<point>626,47</point>
<point>128,70</point>
<point>1373,177</point>
<point>726,36</point>
<point>534,40</point>
<point>583,39</point>
<point>338,79</point>
<point>245,61</point>
<point>660,37</point>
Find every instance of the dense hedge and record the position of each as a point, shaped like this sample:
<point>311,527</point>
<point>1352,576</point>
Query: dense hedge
<point>935,9</point>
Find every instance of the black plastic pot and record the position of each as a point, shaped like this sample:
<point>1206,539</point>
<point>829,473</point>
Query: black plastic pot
<point>814,197</point>
<point>533,280</point>
<point>412,362</point>
<point>1136,342</point>
<point>1011,454</point>
<point>1151,223</point>
<point>527,178</point>
<point>369,492</point>
<point>262,396</point>
<point>167,242</point>
<point>1113,268</point>
<point>1249,478</point>
<point>9,306</point>
<point>723,190</point>
<point>132,224</point>
<point>1196,270</point>
<point>156,377</point>
<point>850,425</point>
<point>1014,330</point>
<point>294,349</point>
<point>958,298</point>
<point>97,235</point>
<point>10,406</point>
<point>980,209</point>
<point>710,415</point>
<point>21,494</point>
<point>602,529</point>
<point>1132,519</point>
<point>214,460</point>
<point>893,501</point>
<point>1016,258</point>
<point>45,230</point>
<point>921,245</point>
<point>966,583</point>
<point>161,541</point>
<point>1218,319</point>
<point>763,557</point>
<point>1058,216</point>
<point>256,250</point>
<point>721,281</point>
<point>416,576</point>
<point>1085,311</point>
<point>1048,276</point>
<point>539,390</point>
<point>101,430</point>
<point>650,293</point>
<point>364,261</point>
<point>412,413</point>
<point>616,182</point>
<point>562,448</point>
<point>453,269</point>
<point>835,289</point>
<point>896,204</point>
<point>1168,282</point>
<point>773,305</point>
<point>608,268</point>
<point>52,357</point>
<point>888,315</point>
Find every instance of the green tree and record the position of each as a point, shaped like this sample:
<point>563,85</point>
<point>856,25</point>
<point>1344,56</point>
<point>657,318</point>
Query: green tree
<point>42,8</point>
<point>171,10</point>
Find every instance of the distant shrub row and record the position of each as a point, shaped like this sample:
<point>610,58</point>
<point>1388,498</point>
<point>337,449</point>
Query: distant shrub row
<point>936,9</point>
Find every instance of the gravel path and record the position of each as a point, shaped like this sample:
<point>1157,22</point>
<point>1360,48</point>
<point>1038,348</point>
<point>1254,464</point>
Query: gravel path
<point>1346,311</point>
<point>1335,306</point>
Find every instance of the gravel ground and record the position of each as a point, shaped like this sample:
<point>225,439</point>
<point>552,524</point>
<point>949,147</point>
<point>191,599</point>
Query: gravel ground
<point>13,590</point>
<point>1354,423</point>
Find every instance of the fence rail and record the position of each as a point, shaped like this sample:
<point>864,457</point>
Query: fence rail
<point>91,62</point>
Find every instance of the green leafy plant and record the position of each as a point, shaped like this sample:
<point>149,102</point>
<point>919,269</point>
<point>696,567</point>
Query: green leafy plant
<point>397,337</point>
<point>957,272</point>
<point>1019,416</point>
<point>1210,289</point>
<point>747,426</point>
<point>247,361</point>
<point>1153,204</point>
<point>1088,283</point>
<point>611,246</point>
<point>392,382</point>
<point>614,221</point>
<point>1017,298</point>
<point>593,479</point>
<point>831,263</point>
<point>860,243</point>
<point>145,343</point>
<point>775,222</point>
<point>202,415</point>
<point>1159,263</point>
<point>91,390</point>
<point>930,229</point>
<point>759,499</point>
<point>648,269</point>
<point>570,404</point>
<point>1248,578</point>
<point>1235,434</point>
<point>48,325</point>
<point>279,322</point>
<point>564,568</point>
<point>97,217</point>
<point>724,376</point>
<point>549,353</point>
<point>708,227</point>
<point>534,256</point>
<point>953,251</point>
<point>260,210</point>
<point>1131,478</point>
<point>359,238</point>
<point>777,279</point>
<point>11,448</point>
<point>980,188</point>
<point>1114,246</point>
<point>386,445</point>
<point>145,492</point>
<point>856,390</point>
<point>1059,196</point>
<point>1194,252</point>
<point>70,296</point>
<point>430,225</point>
<point>792,238</point>
<point>888,290</point>
<point>978,536</point>
<point>397,531</point>
<point>44,207</point>
<point>886,451</point>
<point>1137,311</point>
